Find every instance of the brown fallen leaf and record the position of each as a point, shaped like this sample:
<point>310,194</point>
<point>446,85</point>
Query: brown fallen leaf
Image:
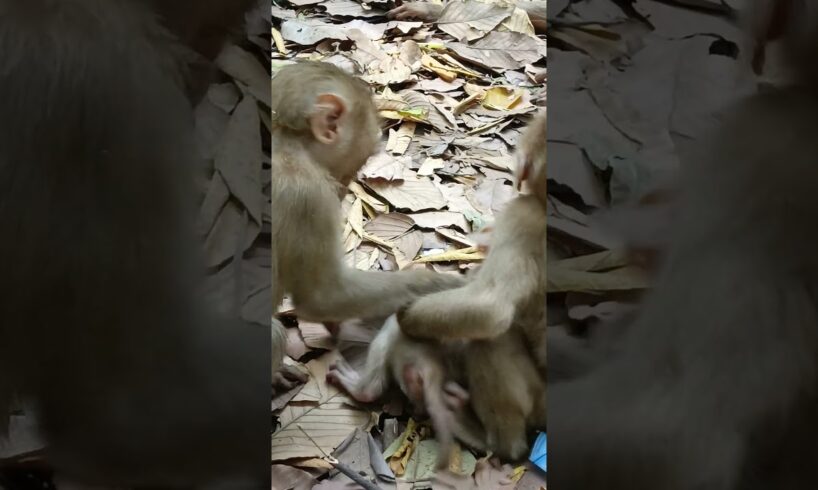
<point>468,20</point>
<point>414,193</point>
<point>500,50</point>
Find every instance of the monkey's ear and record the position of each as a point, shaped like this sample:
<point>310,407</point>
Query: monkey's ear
<point>325,119</point>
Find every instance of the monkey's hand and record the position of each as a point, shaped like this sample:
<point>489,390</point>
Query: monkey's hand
<point>426,12</point>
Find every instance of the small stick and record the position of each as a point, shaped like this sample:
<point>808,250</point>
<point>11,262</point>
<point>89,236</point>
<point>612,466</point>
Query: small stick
<point>346,470</point>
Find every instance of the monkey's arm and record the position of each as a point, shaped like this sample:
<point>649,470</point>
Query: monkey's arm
<point>310,263</point>
<point>509,279</point>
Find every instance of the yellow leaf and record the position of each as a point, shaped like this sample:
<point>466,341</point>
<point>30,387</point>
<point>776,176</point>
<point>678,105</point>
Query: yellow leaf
<point>502,98</point>
<point>463,254</point>
<point>279,41</point>
<point>518,473</point>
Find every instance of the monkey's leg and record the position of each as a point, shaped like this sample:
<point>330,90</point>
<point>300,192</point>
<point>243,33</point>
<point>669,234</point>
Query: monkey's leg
<point>365,388</point>
<point>373,382</point>
<point>500,393</point>
<point>284,377</point>
<point>439,410</point>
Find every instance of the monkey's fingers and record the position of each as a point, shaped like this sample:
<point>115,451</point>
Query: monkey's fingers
<point>455,396</point>
<point>398,13</point>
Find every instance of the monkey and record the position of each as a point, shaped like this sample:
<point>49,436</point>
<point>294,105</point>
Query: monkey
<point>325,127</point>
<point>510,285</point>
<point>424,373</point>
<point>506,383</point>
<point>713,384</point>
<point>134,379</point>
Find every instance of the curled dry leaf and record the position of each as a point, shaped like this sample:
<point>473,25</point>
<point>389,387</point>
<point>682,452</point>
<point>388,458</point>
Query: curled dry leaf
<point>384,166</point>
<point>439,219</point>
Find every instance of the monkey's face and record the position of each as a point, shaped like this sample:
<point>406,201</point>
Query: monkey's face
<point>360,141</point>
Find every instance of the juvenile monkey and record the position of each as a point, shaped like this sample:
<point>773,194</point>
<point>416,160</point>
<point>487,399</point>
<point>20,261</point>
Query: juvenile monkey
<point>135,379</point>
<point>714,384</point>
<point>425,372</point>
<point>510,286</point>
<point>325,127</point>
<point>507,391</point>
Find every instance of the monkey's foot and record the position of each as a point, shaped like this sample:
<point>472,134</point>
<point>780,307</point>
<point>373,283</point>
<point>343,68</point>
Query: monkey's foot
<point>287,378</point>
<point>342,375</point>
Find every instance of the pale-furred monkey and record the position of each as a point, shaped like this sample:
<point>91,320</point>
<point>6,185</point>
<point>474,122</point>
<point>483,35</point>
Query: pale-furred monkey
<point>713,385</point>
<point>325,127</point>
<point>135,379</point>
<point>507,391</point>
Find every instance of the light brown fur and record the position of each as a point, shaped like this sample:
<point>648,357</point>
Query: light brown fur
<point>499,312</point>
<point>325,128</point>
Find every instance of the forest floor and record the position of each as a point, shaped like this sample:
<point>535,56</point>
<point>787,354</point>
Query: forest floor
<point>455,95</point>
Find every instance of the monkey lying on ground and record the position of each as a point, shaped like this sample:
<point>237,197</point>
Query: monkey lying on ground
<point>506,389</point>
<point>325,127</point>
<point>424,373</point>
<point>714,384</point>
<point>134,378</point>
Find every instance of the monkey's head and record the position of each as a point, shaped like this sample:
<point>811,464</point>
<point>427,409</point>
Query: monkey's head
<point>792,22</point>
<point>330,112</point>
<point>531,158</point>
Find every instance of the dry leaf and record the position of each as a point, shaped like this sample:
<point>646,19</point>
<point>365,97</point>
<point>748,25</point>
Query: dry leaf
<point>469,19</point>
<point>383,166</point>
<point>429,166</point>
<point>328,419</point>
<point>464,254</point>
<point>403,137</point>
<point>414,193</point>
<point>348,8</point>
<point>316,335</point>
<point>439,219</point>
<point>390,226</point>
<point>279,41</point>
<point>307,32</point>
<point>500,50</point>
<point>502,98</point>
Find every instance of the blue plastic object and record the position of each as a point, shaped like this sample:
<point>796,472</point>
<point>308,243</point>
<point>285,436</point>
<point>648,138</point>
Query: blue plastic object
<point>539,453</point>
